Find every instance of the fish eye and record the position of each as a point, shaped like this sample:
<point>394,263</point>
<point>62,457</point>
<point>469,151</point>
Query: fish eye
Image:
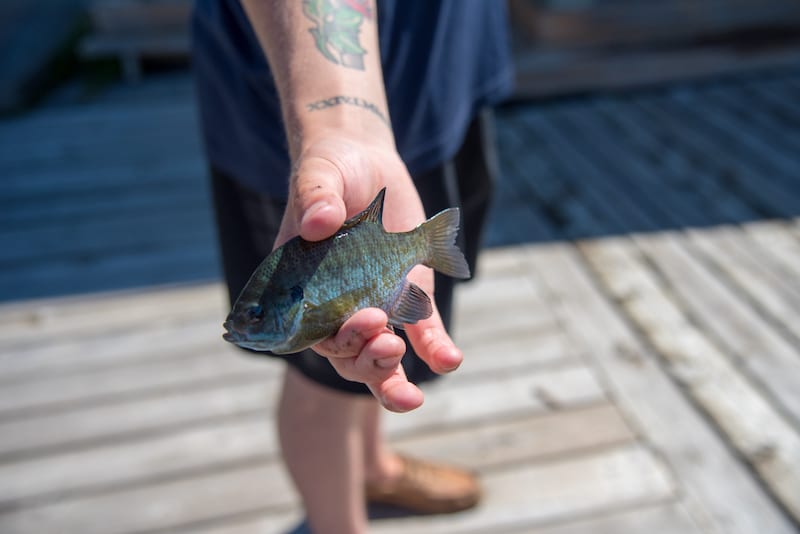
<point>255,313</point>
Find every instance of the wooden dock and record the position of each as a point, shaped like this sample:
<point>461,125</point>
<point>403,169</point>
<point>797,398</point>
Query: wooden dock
<point>632,340</point>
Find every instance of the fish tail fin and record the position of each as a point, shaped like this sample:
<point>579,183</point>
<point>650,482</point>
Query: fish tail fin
<point>443,254</point>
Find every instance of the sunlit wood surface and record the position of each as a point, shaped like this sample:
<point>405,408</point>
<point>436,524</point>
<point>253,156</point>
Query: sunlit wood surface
<point>632,341</point>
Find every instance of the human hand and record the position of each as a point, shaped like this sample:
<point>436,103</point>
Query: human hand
<point>335,178</point>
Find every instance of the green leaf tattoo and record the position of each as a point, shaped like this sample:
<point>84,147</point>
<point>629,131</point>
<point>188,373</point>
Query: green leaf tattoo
<point>337,24</point>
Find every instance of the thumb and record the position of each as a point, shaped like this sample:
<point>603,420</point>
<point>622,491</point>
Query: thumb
<point>316,199</point>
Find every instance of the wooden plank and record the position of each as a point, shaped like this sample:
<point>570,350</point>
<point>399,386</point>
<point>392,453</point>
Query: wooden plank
<point>667,518</point>
<point>252,440</point>
<point>95,238</point>
<point>40,165</point>
<point>783,247</point>
<point>207,496</point>
<point>497,307</point>
<point>527,199</point>
<point>587,172</point>
<point>188,264</point>
<point>758,114</point>
<point>536,180</point>
<point>157,331</point>
<point>138,461</point>
<point>517,391</point>
<point>504,442</point>
<point>613,429</point>
<point>772,290</point>
<point>117,348</point>
<point>762,435</point>
<point>102,113</point>
<point>462,398</point>
<point>127,175</point>
<point>743,334</point>
<point>719,494</point>
<point>55,319</point>
<point>71,133</point>
<point>112,384</point>
<point>526,349</point>
<point>663,518</point>
<point>768,197</point>
<point>533,495</point>
<point>619,163</point>
<point>216,361</point>
<point>753,201</point>
<point>594,187</point>
<point>165,412</point>
<point>781,98</point>
<point>675,163</point>
<point>668,160</point>
<point>615,478</point>
<point>54,337</point>
<point>777,166</point>
<point>30,212</point>
<point>500,316</point>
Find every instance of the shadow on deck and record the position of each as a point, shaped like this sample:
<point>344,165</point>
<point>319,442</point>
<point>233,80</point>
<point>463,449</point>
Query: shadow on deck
<point>113,195</point>
<point>690,155</point>
<point>645,382</point>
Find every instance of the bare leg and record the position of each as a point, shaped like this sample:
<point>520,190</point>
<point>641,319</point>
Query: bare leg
<point>321,435</point>
<point>380,462</point>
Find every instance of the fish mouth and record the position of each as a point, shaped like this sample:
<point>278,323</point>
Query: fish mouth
<point>230,334</point>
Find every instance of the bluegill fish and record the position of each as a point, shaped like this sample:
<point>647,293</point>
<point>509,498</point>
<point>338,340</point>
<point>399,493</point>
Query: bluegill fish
<point>304,291</point>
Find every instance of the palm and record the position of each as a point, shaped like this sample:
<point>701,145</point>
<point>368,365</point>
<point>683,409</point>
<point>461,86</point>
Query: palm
<point>345,176</point>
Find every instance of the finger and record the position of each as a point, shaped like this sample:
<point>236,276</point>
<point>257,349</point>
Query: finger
<point>317,202</point>
<point>353,335</point>
<point>377,361</point>
<point>396,393</point>
<point>434,345</point>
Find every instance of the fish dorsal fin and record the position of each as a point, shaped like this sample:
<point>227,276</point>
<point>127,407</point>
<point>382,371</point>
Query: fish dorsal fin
<point>373,213</point>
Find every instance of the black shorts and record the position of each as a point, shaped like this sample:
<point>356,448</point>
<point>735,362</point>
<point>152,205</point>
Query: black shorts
<point>248,222</point>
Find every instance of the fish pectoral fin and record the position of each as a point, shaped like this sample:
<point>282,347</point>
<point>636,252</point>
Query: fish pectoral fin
<point>412,305</point>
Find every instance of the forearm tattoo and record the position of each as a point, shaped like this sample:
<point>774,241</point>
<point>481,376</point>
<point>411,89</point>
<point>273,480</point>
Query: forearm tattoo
<point>337,24</point>
<point>350,101</point>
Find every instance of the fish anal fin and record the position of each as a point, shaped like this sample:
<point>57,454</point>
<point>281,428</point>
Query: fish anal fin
<point>411,306</point>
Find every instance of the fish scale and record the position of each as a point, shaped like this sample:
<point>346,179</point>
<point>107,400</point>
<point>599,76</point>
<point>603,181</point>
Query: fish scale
<point>304,291</point>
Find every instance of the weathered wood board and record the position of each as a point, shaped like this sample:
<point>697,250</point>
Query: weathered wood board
<point>620,386</point>
<point>757,430</point>
<point>719,493</point>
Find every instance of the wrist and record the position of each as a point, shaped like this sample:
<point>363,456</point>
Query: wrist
<point>341,116</point>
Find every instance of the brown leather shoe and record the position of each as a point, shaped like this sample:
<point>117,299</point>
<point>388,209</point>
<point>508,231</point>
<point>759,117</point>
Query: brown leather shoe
<point>427,488</point>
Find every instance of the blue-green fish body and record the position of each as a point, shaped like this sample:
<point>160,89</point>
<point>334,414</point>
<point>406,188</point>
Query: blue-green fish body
<point>304,291</point>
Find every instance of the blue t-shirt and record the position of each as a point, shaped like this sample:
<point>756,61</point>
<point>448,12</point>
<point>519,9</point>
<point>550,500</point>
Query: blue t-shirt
<point>442,61</point>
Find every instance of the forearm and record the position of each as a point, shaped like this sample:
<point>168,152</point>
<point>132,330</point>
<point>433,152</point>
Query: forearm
<point>328,74</point>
